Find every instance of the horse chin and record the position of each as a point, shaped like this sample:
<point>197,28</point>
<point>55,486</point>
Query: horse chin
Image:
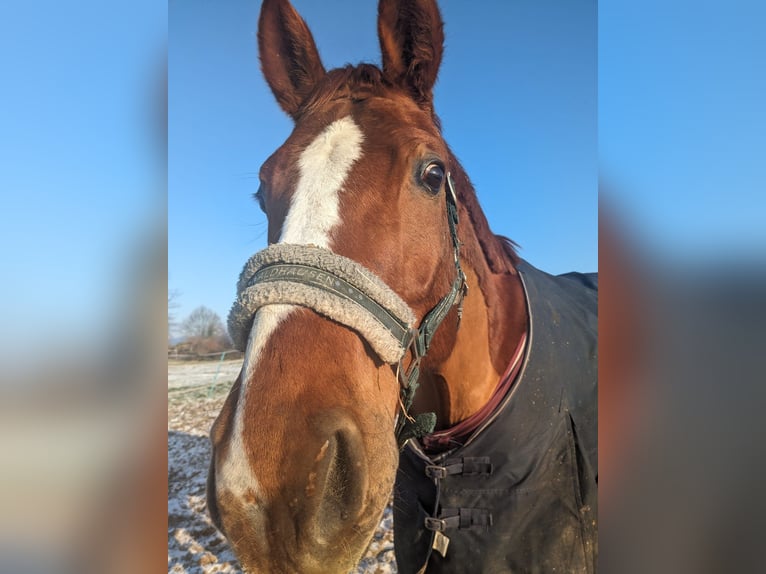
<point>341,549</point>
<point>338,553</point>
<point>333,543</point>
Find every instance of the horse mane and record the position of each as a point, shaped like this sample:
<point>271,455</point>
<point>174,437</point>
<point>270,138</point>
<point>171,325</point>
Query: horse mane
<point>366,80</point>
<point>499,251</point>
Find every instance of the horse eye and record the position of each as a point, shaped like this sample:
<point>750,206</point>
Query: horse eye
<point>258,195</point>
<point>433,177</point>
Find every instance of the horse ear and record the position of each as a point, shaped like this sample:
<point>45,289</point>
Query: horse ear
<point>289,57</point>
<point>411,36</point>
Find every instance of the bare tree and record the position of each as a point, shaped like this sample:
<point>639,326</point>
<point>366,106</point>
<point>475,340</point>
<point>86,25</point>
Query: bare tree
<point>205,331</point>
<point>202,322</point>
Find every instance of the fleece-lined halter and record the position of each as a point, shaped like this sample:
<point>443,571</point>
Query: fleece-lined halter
<point>349,293</point>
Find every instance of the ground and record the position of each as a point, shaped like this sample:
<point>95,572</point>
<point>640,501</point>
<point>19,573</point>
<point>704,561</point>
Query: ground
<point>196,391</point>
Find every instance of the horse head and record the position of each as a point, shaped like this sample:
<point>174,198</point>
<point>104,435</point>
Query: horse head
<point>305,450</point>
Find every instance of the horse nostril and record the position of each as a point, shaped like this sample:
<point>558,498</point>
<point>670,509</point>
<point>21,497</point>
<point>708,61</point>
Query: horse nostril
<point>339,480</point>
<point>212,502</point>
<point>343,482</point>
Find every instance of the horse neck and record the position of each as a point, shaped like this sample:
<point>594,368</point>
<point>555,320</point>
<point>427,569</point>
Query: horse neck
<point>493,322</point>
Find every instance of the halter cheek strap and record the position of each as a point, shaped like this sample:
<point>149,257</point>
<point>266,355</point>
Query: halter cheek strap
<point>420,339</point>
<point>347,292</point>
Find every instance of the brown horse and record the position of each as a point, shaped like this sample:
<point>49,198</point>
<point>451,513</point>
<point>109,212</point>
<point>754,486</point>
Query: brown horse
<point>305,448</point>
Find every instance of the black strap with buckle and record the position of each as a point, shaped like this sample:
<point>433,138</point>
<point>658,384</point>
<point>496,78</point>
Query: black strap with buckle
<point>466,466</point>
<point>460,518</point>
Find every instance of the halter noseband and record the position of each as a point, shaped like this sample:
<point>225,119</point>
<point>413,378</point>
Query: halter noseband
<point>349,293</point>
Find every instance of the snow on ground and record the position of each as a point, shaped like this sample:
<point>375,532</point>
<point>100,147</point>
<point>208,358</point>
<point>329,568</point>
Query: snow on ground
<point>200,373</point>
<point>194,544</point>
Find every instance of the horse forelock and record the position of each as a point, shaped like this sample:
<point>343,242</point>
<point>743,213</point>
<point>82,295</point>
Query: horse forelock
<point>349,82</point>
<point>353,83</point>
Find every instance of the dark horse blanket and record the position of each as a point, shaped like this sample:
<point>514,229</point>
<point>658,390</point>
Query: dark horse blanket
<point>521,494</point>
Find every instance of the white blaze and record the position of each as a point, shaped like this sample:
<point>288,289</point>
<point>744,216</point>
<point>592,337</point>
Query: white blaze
<point>323,166</point>
<point>314,212</point>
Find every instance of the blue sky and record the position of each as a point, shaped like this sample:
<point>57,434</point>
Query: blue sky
<point>682,125</point>
<point>81,164</point>
<point>681,137</point>
<point>516,95</point>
